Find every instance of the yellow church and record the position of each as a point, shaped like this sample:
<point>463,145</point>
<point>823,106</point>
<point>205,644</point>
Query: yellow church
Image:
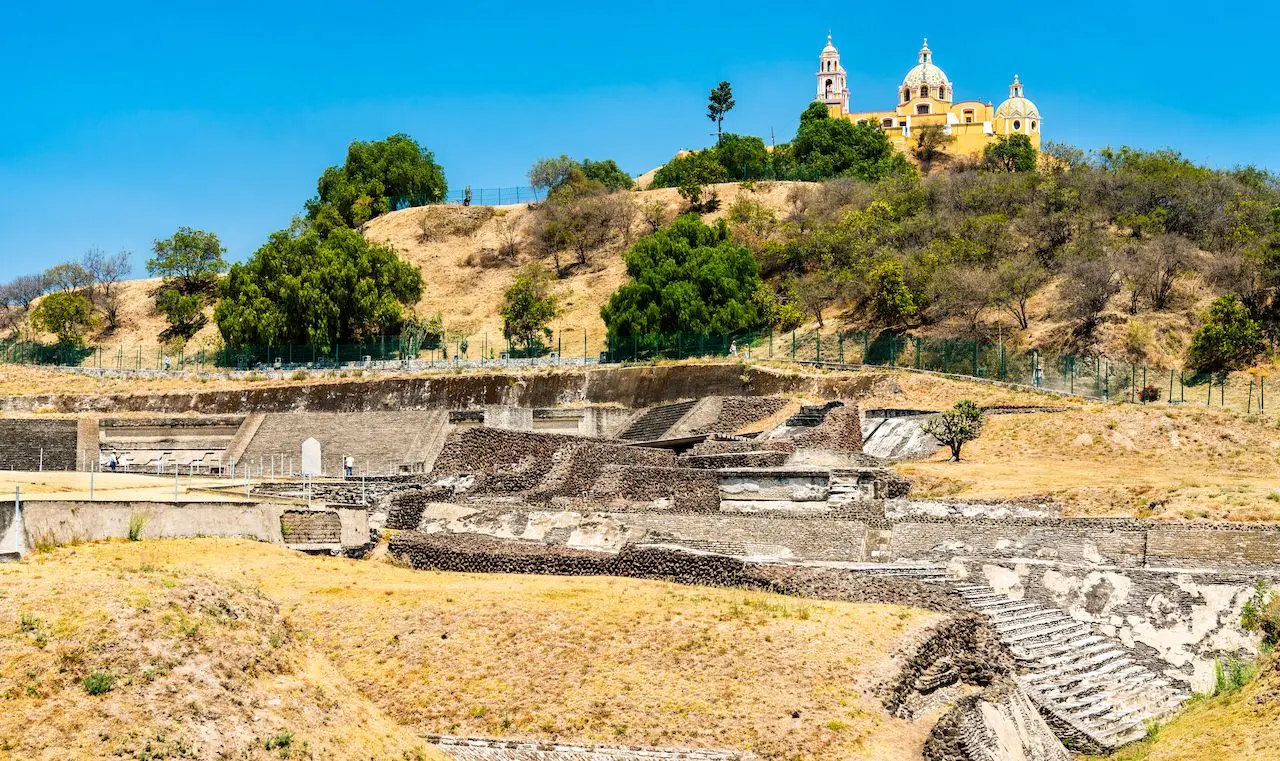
<point>926,97</point>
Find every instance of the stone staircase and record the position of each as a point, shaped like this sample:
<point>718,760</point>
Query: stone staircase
<point>811,416</point>
<point>1090,681</point>
<point>652,424</point>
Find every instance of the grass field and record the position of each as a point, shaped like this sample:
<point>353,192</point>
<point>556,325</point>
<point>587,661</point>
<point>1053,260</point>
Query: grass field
<point>219,646</point>
<point>117,486</point>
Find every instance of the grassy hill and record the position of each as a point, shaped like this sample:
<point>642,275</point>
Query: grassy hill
<point>227,649</point>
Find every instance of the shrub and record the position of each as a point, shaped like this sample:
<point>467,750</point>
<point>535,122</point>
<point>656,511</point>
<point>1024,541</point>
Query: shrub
<point>99,683</point>
<point>136,524</point>
<point>1229,337</point>
<point>1262,614</point>
<point>1150,393</point>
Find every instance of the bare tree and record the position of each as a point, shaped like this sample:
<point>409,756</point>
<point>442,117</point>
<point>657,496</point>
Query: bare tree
<point>1017,280</point>
<point>654,215</point>
<point>508,230</point>
<point>1089,284</point>
<point>1168,257</point>
<point>965,292</point>
<point>105,272</point>
<point>25,289</point>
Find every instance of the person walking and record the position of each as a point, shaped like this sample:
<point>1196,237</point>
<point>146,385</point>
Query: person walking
<point>350,464</point>
<point>112,462</point>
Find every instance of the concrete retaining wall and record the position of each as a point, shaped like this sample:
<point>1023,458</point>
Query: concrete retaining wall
<point>65,522</point>
<point>12,541</point>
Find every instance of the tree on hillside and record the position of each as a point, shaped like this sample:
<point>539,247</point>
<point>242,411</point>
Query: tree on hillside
<point>815,112</point>
<point>581,219</point>
<point>1229,338</point>
<point>67,276</point>
<point>377,177</point>
<point>741,155</point>
<point>931,147</point>
<point>1010,153</point>
<point>892,301</point>
<point>528,308</point>
<point>106,271</point>
<point>190,262</point>
<point>551,174</point>
<point>1017,280</point>
<point>956,427</point>
<point>25,289</point>
<point>307,288</point>
<point>693,168</point>
<point>719,103</point>
<point>66,314</point>
<point>831,147</point>
<point>686,278</point>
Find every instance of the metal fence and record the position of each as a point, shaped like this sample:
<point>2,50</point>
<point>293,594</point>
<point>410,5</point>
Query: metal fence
<point>493,196</point>
<point>1092,377</point>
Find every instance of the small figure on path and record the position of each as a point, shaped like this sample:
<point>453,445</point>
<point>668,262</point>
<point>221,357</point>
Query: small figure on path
<point>112,461</point>
<point>350,464</point>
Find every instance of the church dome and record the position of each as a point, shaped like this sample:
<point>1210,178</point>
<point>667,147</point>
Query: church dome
<point>830,48</point>
<point>1017,106</point>
<point>925,73</point>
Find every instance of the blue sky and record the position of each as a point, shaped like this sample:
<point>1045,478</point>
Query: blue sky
<point>123,120</point>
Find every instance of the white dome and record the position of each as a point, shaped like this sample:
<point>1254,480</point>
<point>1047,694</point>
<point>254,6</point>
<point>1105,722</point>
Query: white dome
<point>1017,106</point>
<point>829,48</point>
<point>925,73</point>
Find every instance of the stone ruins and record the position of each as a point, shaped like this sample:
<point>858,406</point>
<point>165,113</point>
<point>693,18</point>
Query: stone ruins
<point>1057,629</point>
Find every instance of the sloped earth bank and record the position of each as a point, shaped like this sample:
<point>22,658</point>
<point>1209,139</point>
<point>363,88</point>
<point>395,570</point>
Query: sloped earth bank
<point>230,649</point>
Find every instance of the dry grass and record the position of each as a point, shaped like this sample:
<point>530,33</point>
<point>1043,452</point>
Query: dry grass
<point>469,296</point>
<point>118,486</point>
<point>1155,461</point>
<point>1239,726</point>
<point>194,666</point>
<point>582,659</point>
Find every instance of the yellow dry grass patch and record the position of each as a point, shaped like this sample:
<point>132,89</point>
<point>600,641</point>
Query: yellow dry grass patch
<point>1155,461</point>
<point>184,666</point>
<point>579,659</point>
<point>118,486</point>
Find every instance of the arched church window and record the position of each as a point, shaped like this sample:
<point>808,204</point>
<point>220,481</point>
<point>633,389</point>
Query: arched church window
<point>1017,125</point>
<point>906,95</point>
<point>924,92</point>
<point>1033,126</point>
<point>942,93</point>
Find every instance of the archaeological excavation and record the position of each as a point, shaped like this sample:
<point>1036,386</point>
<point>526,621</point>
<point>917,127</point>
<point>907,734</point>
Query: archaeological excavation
<point>1051,632</point>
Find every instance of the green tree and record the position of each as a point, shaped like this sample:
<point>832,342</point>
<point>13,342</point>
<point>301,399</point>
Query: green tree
<point>307,288</point>
<point>183,311</point>
<point>815,112</point>
<point>190,260</point>
<point>892,301</point>
<point>1010,153</point>
<point>550,173</point>
<point>694,168</point>
<point>719,103</point>
<point>528,307</point>
<point>832,147</point>
<point>377,177</point>
<point>956,427</point>
<point>686,278</point>
<point>607,173</point>
<point>740,155</point>
<point>65,314</point>
<point>1229,337</point>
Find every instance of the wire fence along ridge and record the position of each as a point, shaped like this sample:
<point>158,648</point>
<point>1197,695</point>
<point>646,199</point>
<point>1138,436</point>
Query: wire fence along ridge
<point>1086,376</point>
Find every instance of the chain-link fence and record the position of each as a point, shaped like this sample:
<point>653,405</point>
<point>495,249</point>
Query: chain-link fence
<point>1086,376</point>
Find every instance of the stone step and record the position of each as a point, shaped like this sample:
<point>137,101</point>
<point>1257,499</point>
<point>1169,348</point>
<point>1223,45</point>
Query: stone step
<point>996,608</point>
<point>1046,618</point>
<point>1055,662</point>
<point>1008,617</point>
<point>1059,629</point>
<point>1065,647</point>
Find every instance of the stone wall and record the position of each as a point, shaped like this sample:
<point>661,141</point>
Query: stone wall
<point>729,414</point>
<point>310,527</point>
<point>841,429</point>
<point>481,554</point>
<point>630,386</point>
<point>23,439</point>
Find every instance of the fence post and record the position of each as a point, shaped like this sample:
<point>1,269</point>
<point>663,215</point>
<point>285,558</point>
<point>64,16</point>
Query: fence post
<point>864,347</point>
<point>975,358</point>
<point>841,340</point>
<point>1248,408</point>
<point>891,357</point>
<point>1222,390</point>
<point>818,356</point>
<point>793,346</point>
<point>1262,395</point>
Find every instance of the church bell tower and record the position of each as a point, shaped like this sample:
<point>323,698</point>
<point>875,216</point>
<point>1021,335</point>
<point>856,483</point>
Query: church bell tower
<point>831,84</point>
